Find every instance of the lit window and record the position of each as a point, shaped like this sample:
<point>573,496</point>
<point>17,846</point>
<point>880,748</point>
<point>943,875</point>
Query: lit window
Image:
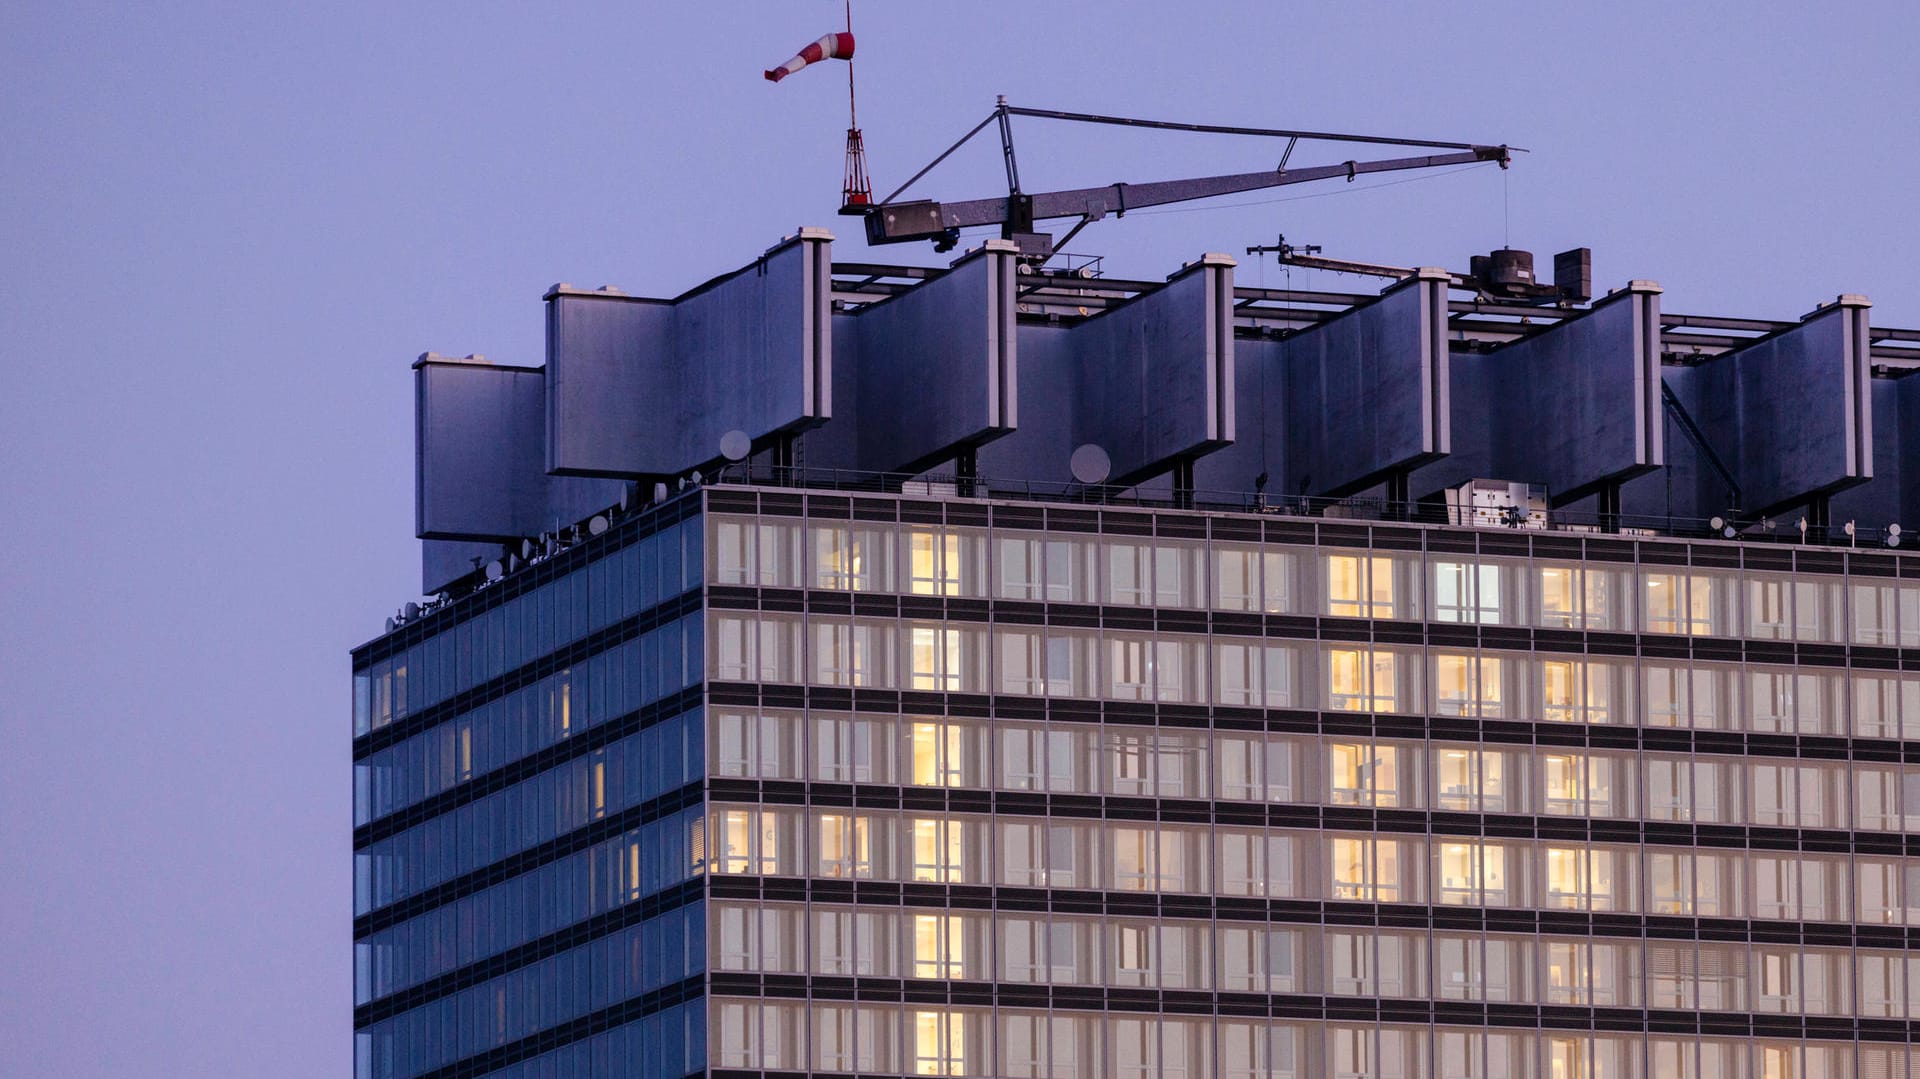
<point>933,563</point>
<point>933,658</point>
<point>1579,878</point>
<point>1473,874</point>
<point>1468,685</point>
<point>1577,785</point>
<point>935,749</point>
<point>939,850</point>
<point>1364,773</point>
<point>1366,869</point>
<point>939,1043</point>
<point>1360,680</point>
<point>1359,586</point>
<point>846,846</point>
<point>1470,779</point>
<point>937,946</point>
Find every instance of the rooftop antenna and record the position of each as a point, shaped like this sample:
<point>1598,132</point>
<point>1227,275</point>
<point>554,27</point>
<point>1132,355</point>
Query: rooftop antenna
<point>857,193</point>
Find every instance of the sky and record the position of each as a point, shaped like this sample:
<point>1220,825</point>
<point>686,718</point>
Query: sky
<point>226,230</point>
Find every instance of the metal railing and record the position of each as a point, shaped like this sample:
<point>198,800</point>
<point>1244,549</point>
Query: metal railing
<point>1782,530</point>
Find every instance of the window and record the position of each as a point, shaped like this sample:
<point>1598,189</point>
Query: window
<point>1362,680</point>
<point>1885,613</point>
<point>752,841</point>
<point>1366,868</point>
<point>934,752</point>
<point>756,744</point>
<point>852,749</point>
<point>1698,604</point>
<point>1022,661</point>
<point>1468,685</point>
<point>1580,878</point>
<point>844,846</point>
<point>937,949</point>
<point>1472,874</point>
<point>855,557</point>
<point>1576,691</point>
<point>743,551</point>
<point>1577,596</point>
<point>939,1043</point>
<point>1129,572</point>
<point>1371,773</point>
<point>1249,578</point>
<point>1360,586</point>
<point>1256,768</point>
<point>936,658</point>
<point>939,850</point>
<point>1580,784</point>
<point>856,654</point>
<point>1466,592</point>
<point>1018,562</point>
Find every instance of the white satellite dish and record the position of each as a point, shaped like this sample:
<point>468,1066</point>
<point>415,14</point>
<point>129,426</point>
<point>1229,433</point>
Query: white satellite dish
<point>1090,464</point>
<point>659,492</point>
<point>1893,530</point>
<point>735,445</point>
<point>526,550</point>
<point>496,569</point>
<point>1717,523</point>
<point>597,524</point>
<point>413,611</point>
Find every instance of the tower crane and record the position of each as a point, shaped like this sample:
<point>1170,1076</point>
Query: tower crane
<point>893,221</point>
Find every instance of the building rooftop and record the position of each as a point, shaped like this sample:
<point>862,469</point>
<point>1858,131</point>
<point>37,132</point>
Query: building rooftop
<point>998,378</point>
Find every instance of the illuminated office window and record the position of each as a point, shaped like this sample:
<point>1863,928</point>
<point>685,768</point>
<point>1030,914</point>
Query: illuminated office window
<point>937,951</point>
<point>1362,680</point>
<point>1371,773</point>
<point>1468,685</point>
<point>939,850</point>
<point>1366,868</point>
<point>1360,586</point>
<point>1475,780</point>
<point>939,1043</point>
<point>844,846</point>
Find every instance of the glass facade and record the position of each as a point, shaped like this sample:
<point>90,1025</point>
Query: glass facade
<point>781,781</point>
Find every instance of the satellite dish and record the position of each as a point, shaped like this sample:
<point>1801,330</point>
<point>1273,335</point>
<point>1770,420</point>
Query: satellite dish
<point>413,611</point>
<point>1717,523</point>
<point>659,492</point>
<point>526,550</point>
<point>1727,531</point>
<point>1847,528</point>
<point>1803,526</point>
<point>390,626</point>
<point>597,524</point>
<point>1090,464</point>
<point>1893,530</point>
<point>735,445</point>
<point>496,569</point>
<point>626,493</point>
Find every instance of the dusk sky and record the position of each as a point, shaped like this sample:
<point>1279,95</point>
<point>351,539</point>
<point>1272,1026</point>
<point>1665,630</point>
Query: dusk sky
<point>228,229</point>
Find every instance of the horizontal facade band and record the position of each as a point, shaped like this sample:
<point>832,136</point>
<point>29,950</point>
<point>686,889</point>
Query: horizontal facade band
<point>566,656</point>
<point>1091,518</point>
<point>533,951</point>
<point>532,858</point>
<point>636,528</point>
<point>1312,628</point>
<point>590,739</point>
<point>566,1033</point>
<point>1301,721</point>
<point>1330,912</point>
<point>1308,1007</point>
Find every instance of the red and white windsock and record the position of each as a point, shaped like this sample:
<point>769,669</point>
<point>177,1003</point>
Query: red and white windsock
<point>831,47</point>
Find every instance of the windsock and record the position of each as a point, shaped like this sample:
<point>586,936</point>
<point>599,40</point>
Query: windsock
<point>831,47</point>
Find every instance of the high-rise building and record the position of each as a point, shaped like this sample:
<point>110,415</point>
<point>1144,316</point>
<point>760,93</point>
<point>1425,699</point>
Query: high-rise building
<point>861,670</point>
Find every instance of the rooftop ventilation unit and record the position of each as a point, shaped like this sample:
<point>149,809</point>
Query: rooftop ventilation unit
<point>1497,504</point>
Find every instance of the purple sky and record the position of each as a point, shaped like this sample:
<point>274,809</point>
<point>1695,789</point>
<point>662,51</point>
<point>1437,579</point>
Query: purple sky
<point>226,230</point>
